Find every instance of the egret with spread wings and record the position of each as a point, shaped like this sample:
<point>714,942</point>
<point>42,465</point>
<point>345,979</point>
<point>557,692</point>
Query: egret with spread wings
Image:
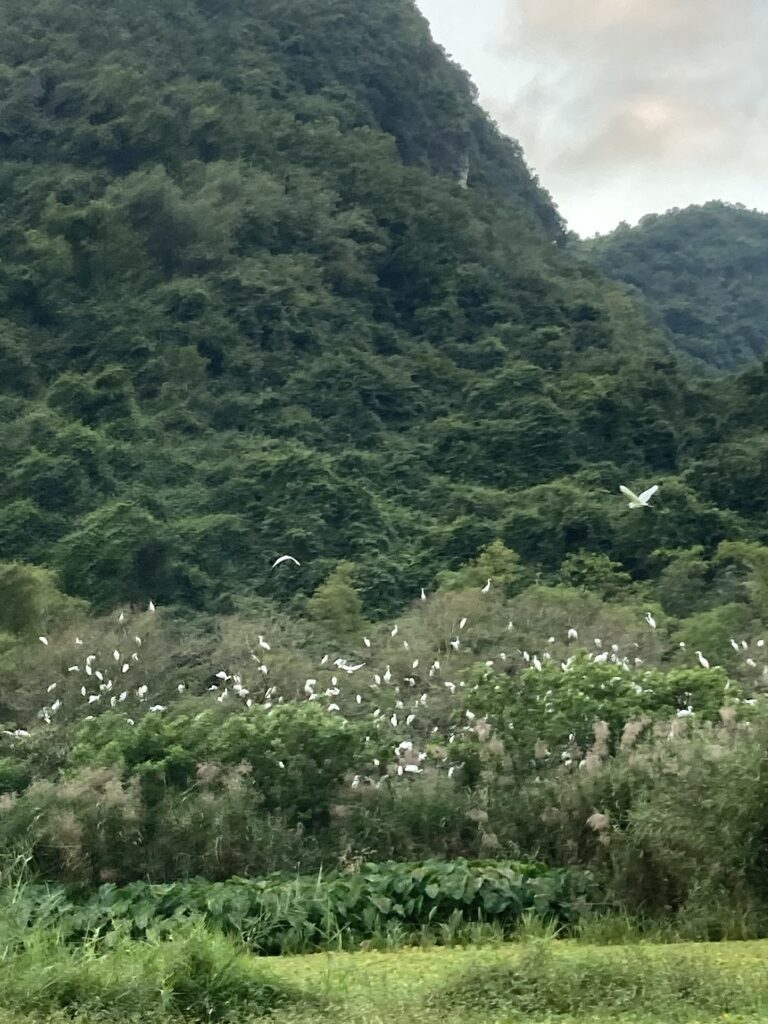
<point>639,500</point>
<point>285,558</point>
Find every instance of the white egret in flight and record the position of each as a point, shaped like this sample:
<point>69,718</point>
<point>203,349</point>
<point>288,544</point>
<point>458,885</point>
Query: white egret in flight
<point>639,500</point>
<point>285,558</point>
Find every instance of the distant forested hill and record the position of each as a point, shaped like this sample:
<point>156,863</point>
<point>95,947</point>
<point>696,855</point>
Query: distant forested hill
<point>248,307</point>
<point>703,275</point>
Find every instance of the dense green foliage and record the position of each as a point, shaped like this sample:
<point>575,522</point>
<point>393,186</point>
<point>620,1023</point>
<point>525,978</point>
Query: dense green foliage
<point>280,914</point>
<point>194,975</point>
<point>702,274</point>
<point>248,307</point>
<point>549,726</point>
<point>237,277</point>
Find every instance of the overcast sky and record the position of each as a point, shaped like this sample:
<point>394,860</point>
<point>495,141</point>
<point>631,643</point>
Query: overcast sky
<point>623,107</point>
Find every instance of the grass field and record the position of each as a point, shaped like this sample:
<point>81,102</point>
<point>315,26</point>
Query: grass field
<point>533,981</point>
<point>381,988</point>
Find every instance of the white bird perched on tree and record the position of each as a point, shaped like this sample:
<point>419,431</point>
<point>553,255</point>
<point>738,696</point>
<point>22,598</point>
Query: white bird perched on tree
<point>151,606</point>
<point>573,634</point>
<point>638,500</point>
<point>43,640</point>
<point>285,558</point>
<point>423,594</point>
<point>702,660</point>
<point>487,587</point>
<point>263,644</point>
<point>650,620</point>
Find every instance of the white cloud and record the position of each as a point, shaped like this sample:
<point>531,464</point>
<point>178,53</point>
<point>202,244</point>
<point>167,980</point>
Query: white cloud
<point>623,106</point>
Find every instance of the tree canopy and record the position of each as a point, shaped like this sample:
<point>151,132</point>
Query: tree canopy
<point>701,274</point>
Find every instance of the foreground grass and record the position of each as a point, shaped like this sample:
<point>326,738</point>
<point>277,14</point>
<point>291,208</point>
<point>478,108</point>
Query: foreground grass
<point>417,986</point>
<point>636,984</point>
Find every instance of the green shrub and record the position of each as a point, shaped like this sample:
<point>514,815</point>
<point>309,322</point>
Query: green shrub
<point>194,975</point>
<point>14,775</point>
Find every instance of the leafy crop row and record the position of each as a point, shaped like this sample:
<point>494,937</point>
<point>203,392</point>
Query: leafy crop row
<point>280,914</point>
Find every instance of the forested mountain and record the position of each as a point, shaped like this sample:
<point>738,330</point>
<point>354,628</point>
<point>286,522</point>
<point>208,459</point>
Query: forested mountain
<point>272,283</point>
<point>702,274</point>
<point>248,306</point>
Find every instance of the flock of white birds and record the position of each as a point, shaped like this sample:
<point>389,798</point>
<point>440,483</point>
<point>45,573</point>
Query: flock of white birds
<point>398,695</point>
